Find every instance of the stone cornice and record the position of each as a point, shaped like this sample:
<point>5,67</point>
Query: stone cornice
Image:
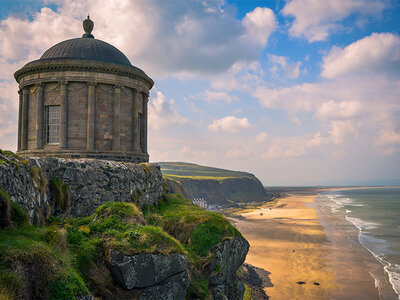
<point>51,65</point>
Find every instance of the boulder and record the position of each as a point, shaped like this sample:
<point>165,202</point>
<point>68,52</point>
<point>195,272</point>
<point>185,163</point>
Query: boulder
<point>160,276</point>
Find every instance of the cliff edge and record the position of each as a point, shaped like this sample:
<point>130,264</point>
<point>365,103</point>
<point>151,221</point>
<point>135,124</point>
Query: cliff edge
<point>85,229</point>
<point>216,186</point>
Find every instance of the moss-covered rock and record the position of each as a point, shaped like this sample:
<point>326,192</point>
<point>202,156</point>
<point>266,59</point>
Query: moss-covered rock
<point>215,247</point>
<point>196,228</point>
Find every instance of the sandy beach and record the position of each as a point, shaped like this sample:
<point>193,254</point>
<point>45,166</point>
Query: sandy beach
<point>305,253</point>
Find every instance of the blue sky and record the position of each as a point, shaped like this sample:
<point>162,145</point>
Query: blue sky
<point>300,92</point>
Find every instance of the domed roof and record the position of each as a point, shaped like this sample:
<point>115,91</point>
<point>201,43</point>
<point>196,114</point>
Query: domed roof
<point>87,48</point>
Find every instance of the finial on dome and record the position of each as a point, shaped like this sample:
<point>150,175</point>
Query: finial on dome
<point>88,27</point>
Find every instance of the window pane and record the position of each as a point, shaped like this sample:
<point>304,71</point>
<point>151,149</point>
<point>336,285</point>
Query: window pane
<point>52,124</point>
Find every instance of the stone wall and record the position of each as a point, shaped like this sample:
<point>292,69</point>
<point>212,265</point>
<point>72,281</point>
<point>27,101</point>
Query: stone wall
<point>90,183</point>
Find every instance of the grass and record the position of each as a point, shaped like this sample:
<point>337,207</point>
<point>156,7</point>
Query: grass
<point>197,229</point>
<point>39,179</point>
<point>247,293</point>
<point>18,216</point>
<point>197,177</point>
<point>188,170</point>
<point>119,225</point>
<point>60,194</point>
<point>11,158</point>
<point>64,258</point>
<point>34,260</point>
<point>59,261</point>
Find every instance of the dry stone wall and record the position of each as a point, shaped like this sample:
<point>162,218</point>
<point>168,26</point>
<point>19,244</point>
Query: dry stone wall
<point>87,183</point>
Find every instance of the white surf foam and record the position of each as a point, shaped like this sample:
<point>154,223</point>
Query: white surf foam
<point>362,225</point>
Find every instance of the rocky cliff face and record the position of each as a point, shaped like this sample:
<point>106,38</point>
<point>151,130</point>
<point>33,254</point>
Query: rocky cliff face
<point>225,192</point>
<point>76,187</point>
<point>228,256</point>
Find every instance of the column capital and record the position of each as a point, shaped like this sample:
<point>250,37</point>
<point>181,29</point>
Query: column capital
<point>25,90</point>
<point>63,82</point>
<point>91,83</point>
<point>20,92</point>
<point>40,86</point>
<point>118,88</point>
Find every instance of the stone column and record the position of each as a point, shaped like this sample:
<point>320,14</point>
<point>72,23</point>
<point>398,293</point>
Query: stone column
<point>116,140</point>
<point>144,125</point>
<point>64,115</point>
<point>91,116</point>
<point>25,116</point>
<point>20,118</point>
<point>39,115</point>
<point>135,129</point>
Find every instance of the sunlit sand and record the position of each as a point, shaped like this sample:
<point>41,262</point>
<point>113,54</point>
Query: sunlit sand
<point>306,260</point>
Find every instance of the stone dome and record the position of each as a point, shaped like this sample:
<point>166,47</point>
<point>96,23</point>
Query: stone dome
<point>88,49</point>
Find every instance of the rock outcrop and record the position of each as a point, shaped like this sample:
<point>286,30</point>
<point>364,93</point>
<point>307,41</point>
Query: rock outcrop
<point>159,276</point>
<point>224,192</point>
<point>87,184</point>
<point>228,256</point>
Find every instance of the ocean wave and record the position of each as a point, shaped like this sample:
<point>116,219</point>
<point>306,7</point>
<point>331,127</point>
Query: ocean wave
<point>379,248</point>
<point>393,271</point>
<point>338,202</point>
<point>362,225</point>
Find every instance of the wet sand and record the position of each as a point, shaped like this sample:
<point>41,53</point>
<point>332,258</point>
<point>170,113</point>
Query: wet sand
<point>307,254</point>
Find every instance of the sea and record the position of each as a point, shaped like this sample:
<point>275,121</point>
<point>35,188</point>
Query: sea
<point>375,212</point>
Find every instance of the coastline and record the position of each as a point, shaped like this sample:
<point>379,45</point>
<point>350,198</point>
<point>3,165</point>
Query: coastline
<point>306,252</point>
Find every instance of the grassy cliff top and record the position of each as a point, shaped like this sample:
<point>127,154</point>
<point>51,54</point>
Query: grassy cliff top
<point>178,170</point>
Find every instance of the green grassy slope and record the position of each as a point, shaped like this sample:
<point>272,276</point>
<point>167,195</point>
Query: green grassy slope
<point>189,170</point>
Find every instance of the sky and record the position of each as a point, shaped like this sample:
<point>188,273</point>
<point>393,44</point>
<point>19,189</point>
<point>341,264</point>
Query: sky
<point>297,92</point>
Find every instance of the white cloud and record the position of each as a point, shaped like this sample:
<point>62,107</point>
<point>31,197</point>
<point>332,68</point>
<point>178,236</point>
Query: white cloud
<point>239,153</point>
<point>260,23</point>
<point>161,37</point>
<point>342,130</point>
<point>163,112</point>
<point>241,76</point>
<point>216,96</point>
<point>388,137</point>
<point>279,152</point>
<point>374,53</point>
<point>261,137</point>
<point>229,124</point>
<point>316,19</point>
<point>338,110</point>
<point>8,115</point>
<point>282,63</point>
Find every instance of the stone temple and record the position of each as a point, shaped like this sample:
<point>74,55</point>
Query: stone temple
<point>83,98</point>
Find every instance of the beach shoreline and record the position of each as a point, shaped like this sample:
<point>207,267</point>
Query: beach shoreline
<point>306,252</point>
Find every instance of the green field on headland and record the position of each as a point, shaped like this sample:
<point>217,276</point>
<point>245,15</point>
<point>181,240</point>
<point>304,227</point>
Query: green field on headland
<point>194,171</point>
